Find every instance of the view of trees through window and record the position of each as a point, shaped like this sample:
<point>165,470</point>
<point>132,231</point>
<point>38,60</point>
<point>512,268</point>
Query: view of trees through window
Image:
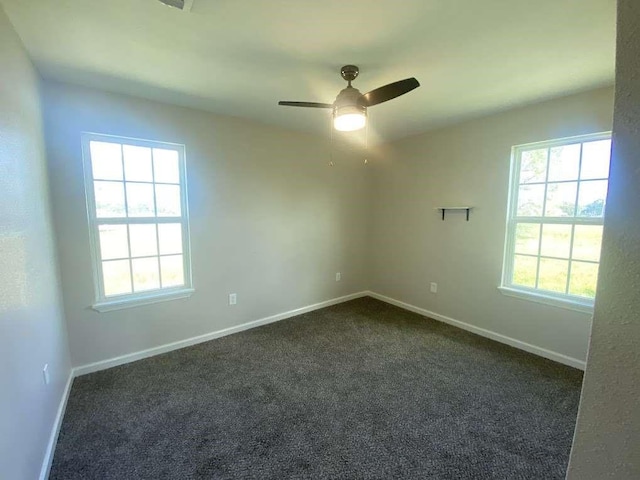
<point>556,217</point>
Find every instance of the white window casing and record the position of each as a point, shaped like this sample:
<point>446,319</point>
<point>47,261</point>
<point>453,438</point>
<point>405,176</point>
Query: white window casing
<point>136,192</point>
<point>555,215</point>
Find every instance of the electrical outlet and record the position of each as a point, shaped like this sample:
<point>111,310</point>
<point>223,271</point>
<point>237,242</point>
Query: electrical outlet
<point>233,299</point>
<point>45,374</point>
<point>433,287</point>
<point>338,277</point>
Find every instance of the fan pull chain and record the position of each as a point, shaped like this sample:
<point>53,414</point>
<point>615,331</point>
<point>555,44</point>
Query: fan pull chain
<point>366,141</point>
<point>331,164</point>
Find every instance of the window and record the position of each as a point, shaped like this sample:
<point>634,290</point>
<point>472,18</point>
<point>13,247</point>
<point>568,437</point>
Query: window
<point>139,228</point>
<point>555,220</point>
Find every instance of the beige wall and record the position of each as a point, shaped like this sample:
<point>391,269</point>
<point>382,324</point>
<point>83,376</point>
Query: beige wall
<point>270,220</point>
<point>468,164</point>
<point>32,329</point>
<point>607,441</point>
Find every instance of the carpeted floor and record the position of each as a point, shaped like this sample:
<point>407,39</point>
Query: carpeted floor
<point>361,390</point>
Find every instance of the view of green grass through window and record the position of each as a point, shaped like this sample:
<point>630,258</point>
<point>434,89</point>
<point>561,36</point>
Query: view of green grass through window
<point>137,212</point>
<point>556,216</point>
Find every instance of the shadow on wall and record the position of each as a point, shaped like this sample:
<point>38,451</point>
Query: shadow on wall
<point>13,262</point>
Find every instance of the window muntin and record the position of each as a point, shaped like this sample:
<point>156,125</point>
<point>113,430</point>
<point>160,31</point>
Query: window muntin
<point>555,220</point>
<point>137,209</point>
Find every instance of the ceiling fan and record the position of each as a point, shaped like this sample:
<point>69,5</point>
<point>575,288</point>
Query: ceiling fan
<point>350,106</point>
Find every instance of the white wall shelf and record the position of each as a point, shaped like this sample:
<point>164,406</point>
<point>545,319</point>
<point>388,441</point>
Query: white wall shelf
<point>444,209</point>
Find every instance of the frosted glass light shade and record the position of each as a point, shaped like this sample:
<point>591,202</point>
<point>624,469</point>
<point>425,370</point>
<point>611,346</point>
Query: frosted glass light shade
<point>349,118</point>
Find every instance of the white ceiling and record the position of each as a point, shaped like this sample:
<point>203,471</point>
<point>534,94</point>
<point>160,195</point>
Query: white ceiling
<point>240,57</point>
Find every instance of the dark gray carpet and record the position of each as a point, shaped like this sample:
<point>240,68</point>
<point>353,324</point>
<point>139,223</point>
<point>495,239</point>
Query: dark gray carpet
<point>361,390</point>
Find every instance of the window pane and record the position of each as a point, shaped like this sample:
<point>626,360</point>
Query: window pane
<point>587,241</point>
<point>527,238</point>
<point>145,274</point>
<point>584,278</point>
<point>524,270</point>
<point>170,238</point>
<point>561,199</point>
<point>172,271</point>
<point>553,275</point>
<point>113,241</point>
<point>595,159</point>
<point>165,166</point>
<point>143,240</point>
<point>530,198</point>
<point>556,240</point>
<point>564,162</point>
<point>592,198</point>
<point>106,163</point>
<point>168,200</point>
<point>109,199</point>
<point>533,166</point>
<point>137,163</point>
<point>140,200</point>
<point>116,277</point>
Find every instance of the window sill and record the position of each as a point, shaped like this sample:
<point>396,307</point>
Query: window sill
<point>139,300</point>
<point>539,297</point>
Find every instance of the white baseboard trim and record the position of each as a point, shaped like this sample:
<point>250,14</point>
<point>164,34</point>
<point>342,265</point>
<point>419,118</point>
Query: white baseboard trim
<point>132,357</point>
<point>498,337</point>
<point>55,430</point>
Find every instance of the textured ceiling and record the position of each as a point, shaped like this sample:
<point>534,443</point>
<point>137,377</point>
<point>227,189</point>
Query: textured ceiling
<point>239,57</point>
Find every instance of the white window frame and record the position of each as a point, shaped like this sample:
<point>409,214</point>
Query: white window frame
<point>127,300</point>
<point>564,300</point>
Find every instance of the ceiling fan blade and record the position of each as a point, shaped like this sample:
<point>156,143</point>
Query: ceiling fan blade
<point>388,92</point>
<point>306,104</point>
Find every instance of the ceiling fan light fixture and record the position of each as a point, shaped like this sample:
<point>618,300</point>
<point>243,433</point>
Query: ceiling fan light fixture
<point>350,106</point>
<point>349,118</point>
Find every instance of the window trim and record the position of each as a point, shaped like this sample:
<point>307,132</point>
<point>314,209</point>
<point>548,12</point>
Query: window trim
<point>103,303</point>
<point>563,300</point>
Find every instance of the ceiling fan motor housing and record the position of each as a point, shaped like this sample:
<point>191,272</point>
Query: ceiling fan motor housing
<point>349,99</point>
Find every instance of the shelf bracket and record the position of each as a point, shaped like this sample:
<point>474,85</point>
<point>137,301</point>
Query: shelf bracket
<point>444,209</point>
